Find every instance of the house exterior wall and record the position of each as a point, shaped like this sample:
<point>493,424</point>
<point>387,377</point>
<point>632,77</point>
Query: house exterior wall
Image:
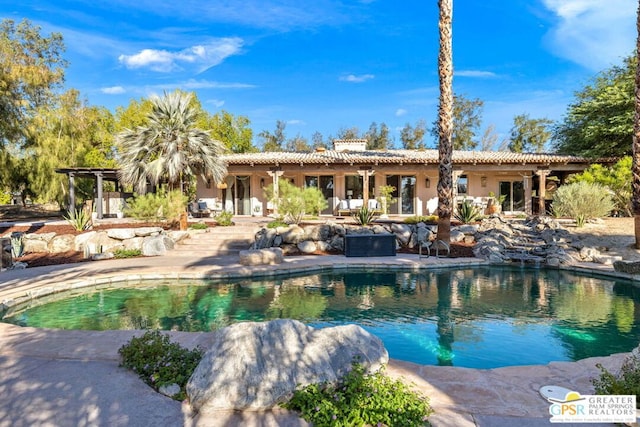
<point>484,171</point>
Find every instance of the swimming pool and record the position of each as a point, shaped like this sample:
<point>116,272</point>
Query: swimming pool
<point>482,317</point>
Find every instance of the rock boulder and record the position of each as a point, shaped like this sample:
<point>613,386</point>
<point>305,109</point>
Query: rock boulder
<point>257,365</point>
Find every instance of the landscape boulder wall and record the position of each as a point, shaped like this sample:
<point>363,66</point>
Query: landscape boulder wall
<point>329,237</point>
<point>256,365</point>
<point>151,241</point>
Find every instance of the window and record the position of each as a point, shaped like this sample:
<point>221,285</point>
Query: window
<point>463,185</point>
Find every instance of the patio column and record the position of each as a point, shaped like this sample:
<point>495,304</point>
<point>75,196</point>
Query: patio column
<point>365,174</point>
<point>275,174</point>
<point>72,191</point>
<point>454,191</point>
<point>527,194</point>
<point>99,195</point>
<point>542,174</point>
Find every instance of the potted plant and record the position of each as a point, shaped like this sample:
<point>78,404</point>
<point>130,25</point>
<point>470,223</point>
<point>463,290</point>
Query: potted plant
<point>494,203</point>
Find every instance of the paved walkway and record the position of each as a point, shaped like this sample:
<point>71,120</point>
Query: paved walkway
<point>72,378</point>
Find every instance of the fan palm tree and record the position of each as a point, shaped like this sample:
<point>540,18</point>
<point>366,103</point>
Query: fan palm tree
<point>445,122</point>
<point>169,148</point>
<point>635,168</point>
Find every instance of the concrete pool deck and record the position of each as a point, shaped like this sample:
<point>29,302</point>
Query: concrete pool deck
<point>70,378</point>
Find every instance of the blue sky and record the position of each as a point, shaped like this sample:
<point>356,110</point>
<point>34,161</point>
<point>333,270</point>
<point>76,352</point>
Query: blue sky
<point>323,65</point>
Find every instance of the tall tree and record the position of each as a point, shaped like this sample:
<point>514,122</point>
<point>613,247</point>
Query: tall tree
<point>412,138</point>
<point>635,162</point>
<point>445,121</point>
<point>318,142</point>
<point>31,70</point>
<point>273,141</point>
<point>233,131</point>
<point>600,123</point>
<point>378,139</point>
<point>489,138</point>
<point>348,133</point>
<point>170,147</point>
<point>69,133</point>
<point>298,144</point>
<point>529,135</point>
<point>467,117</point>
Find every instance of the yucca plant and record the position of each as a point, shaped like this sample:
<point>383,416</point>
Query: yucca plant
<point>79,219</point>
<point>467,213</point>
<point>364,216</point>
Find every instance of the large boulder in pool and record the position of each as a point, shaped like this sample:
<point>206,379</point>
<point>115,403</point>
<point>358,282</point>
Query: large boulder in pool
<point>257,365</point>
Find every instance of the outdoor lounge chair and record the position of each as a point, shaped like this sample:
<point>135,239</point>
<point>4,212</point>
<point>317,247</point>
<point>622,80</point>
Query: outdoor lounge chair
<point>199,209</point>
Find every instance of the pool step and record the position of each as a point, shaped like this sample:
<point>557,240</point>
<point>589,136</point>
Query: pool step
<point>218,241</point>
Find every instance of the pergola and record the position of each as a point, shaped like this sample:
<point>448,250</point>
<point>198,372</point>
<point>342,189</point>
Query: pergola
<point>99,175</point>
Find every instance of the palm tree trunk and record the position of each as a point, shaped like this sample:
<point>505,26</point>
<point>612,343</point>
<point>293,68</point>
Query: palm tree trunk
<point>635,168</point>
<point>445,122</point>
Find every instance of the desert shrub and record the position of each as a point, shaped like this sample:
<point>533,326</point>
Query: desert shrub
<point>627,381</point>
<point>364,216</point>
<point>360,399</point>
<point>616,178</point>
<point>427,219</point>
<point>224,218</point>
<point>79,219</point>
<point>159,362</point>
<point>467,213</point>
<point>156,206</point>
<point>127,253</point>
<point>314,201</point>
<point>5,197</point>
<point>582,201</point>
<point>277,223</point>
<point>198,226</point>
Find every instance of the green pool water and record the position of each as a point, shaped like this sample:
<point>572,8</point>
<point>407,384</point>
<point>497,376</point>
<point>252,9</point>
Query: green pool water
<point>481,317</point>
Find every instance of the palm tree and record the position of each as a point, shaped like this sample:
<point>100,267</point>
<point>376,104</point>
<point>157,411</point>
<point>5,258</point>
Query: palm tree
<point>635,168</point>
<point>169,148</point>
<point>445,122</point>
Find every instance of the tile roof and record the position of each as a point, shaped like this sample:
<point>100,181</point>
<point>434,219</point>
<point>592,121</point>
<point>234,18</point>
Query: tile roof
<point>332,157</point>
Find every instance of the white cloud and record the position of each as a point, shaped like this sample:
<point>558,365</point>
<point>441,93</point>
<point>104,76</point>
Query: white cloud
<point>295,122</point>
<point>401,112</point>
<point>113,90</point>
<point>352,78</point>
<point>475,73</point>
<point>593,33</point>
<point>201,56</point>
<point>215,102</point>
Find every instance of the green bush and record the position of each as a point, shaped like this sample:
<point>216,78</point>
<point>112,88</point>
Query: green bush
<point>616,178</point>
<point>159,362</point>
<point>199,226</point>
<point>364,216</point>
<point>127,253</point>
<point>314,201</point>
<point>223,219</point>
<point>361,399</point>
<point>582,201</point>
<point>277,223</point>
<point>294,202</point>
<point>156,206</point>
<point>467,213</point>
<point>627,381</point>
<point>5,197</point>
<point>79,219</point>
<point>427,219</point>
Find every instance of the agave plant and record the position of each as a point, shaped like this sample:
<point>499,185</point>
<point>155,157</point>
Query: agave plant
<point>79,219</point>
<point>364,216</point>
<point>467,213</point>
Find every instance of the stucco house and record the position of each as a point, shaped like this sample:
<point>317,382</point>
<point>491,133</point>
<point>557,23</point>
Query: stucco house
<point>350,176</point>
